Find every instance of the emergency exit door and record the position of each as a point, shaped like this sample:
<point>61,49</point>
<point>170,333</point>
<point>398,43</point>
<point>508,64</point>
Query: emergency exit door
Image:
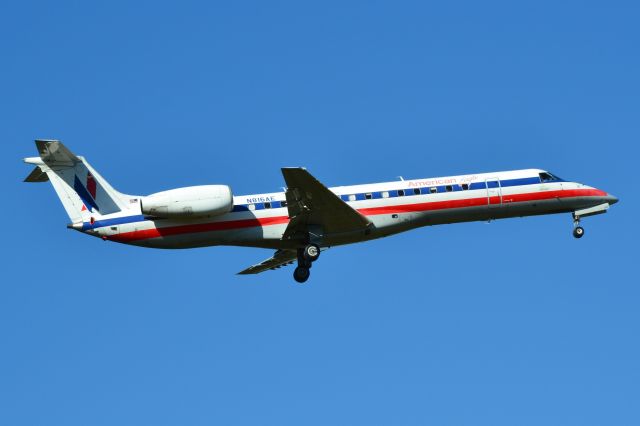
<point>494,192</point>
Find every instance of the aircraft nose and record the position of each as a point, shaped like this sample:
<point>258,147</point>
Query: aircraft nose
<point>611,199</point>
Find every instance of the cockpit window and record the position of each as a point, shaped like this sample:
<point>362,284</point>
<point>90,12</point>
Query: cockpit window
<point>548,177</point>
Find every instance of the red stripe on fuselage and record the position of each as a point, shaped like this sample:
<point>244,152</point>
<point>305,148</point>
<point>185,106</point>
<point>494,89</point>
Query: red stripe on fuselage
<point>199,227</point>
<point>481,201</point>
<point>371,211</point>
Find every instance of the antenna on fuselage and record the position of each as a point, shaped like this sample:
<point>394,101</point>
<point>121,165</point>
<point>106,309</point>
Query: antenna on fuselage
<point>400,177</point>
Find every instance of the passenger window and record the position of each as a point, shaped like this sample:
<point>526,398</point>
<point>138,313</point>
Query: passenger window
<point>283,204</point>
<point>368,196</point>
<point>433,189</point>
<point>448,188</point>
<point>385,194</point>
<point>400,192</point>
<point>352,197</point>
<point>267,205</point>
<point>416,191</point>
<point>465,186</point>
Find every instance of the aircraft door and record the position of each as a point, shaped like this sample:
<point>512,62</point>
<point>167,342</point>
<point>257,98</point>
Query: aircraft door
<point>494,192</point>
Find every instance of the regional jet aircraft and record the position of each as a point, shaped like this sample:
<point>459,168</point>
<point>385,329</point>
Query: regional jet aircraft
<point>307,217</point>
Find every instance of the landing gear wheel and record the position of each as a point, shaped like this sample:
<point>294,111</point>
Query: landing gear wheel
<point>304,263</point>
<point>301,274</point>
<point>311,252</point>
<point>578,231</point>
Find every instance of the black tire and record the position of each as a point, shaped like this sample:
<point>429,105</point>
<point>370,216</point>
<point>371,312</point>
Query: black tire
<point>301,274</point>
<point>311,252</point>
<point>578,231</point>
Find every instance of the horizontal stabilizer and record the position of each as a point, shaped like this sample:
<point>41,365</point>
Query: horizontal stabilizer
<point>55,154</point>
<point>37,175</point>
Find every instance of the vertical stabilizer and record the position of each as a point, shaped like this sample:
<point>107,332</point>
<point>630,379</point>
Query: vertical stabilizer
<point>84,193</point>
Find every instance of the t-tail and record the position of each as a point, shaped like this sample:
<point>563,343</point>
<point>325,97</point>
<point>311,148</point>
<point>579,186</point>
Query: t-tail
<point>84,193</point>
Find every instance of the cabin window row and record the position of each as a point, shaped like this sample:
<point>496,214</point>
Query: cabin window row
<point>405,192</point>
<point>260,206</point>
<point>543,177</point>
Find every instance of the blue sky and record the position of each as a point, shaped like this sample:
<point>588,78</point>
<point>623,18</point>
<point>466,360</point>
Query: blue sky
<point>512,322</point>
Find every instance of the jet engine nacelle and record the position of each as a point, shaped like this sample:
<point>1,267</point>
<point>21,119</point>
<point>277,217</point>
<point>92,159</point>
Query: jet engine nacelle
<point>191,201</point>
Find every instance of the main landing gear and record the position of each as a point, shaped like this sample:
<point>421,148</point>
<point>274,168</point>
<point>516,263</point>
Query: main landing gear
<point>306,257</point>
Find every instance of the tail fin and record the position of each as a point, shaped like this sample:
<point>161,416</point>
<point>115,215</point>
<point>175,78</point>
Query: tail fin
<point>82,191</point>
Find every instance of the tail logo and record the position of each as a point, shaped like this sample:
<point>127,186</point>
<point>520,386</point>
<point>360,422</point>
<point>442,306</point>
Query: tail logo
<point>87,193</point>
<point>91,185</point>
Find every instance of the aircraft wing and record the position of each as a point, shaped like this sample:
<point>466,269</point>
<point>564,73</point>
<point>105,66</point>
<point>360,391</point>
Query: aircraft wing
<point>280,258</point>
<point>310,204</point>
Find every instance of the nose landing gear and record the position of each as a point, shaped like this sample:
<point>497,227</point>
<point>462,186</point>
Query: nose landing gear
<point>306,257</point>
<point>578,231</point>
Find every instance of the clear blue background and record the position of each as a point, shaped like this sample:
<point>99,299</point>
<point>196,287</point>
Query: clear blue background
<point>512,322</point>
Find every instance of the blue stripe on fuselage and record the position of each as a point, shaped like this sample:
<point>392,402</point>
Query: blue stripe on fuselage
<point>113,221</point>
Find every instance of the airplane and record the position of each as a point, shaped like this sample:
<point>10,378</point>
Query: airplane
<point>307,217</point>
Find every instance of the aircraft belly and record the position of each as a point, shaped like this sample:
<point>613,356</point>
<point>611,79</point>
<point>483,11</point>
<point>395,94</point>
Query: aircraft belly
<point>389,224</point>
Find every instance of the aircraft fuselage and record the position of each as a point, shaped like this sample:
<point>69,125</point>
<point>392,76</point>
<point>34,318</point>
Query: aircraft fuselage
<point>260,220</point>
